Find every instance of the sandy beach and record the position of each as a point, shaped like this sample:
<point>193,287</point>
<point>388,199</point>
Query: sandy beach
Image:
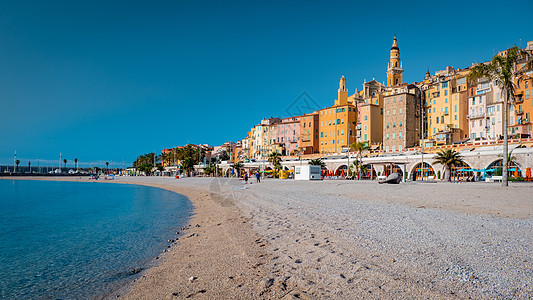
<point>345,240</point>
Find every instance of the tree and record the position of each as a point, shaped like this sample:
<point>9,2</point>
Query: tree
<point>503,70</point>
<point>210,169</point>
<point>29,166</point>
<point>359,147</point>
<point>188,165</point>
<point>76,164</point>
<point>107,166</point>
<point>65,162</point>
<point>17,162</point>
<point>317,162</point>
<point>275,159</point>
<point>448,158</point>
<point>160,168</point>
<point>237,167</point>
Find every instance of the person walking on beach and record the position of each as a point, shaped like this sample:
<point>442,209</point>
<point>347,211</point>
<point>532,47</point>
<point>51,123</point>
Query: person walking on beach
<point>245,177</point>
<point>258,177</point>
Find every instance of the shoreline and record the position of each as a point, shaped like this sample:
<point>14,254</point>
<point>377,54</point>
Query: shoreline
<point>211,223</point>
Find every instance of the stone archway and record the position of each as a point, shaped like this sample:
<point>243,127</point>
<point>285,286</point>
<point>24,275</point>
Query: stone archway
<point>340,169</point>
<point>422,171</point>
<point>394,168</point>
<point>513,166</point>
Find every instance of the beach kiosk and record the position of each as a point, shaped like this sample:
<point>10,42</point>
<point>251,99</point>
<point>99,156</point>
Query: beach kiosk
<point>307,172</point>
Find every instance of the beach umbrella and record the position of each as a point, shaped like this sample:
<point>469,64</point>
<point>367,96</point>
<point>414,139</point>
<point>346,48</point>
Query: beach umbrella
<point>516,172</point>
<point>528,173</point>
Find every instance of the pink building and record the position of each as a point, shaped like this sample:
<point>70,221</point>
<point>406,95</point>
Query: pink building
<point>287,135</point>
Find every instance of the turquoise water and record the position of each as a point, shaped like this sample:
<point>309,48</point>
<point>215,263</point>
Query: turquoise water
<point>71,240</point>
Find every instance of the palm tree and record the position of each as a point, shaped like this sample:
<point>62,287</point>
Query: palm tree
<point>107,166</point>
<point>317,162</point>
<point>275,159</point>
<point>17,162</point>
<point>76,163</point>
<point>448,158</point>
<point>188,165</point>
<point>65,162</point>
<point>29,166</point>
<point>359,147</point>
<point>237,167</point>
<point>503,70</point>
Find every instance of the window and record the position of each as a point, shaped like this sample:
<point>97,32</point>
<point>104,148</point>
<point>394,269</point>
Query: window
<point>445,100</point>
<point>400,110</point>
<point>365,137</point>
<point>366,128</point>
<point>393,111</point>
<point>400,135</point>
<point>401,123</point>
<point>342,132</point>
<point>446,111</point>
<point>393,136</point>
<point>474,101</point>
<point>527,85</point>
<point>480,123</point>
<point>498,108</point>
<point>442,119</point>
<point>455,108</point>
<point>437,120</point>
<point>338,121</point>
<point>387,112</point>
<point>365,118</point>
<point>387,136</point>
<point>445,84</point>
<point>393,124</point>
<point>446,94</point>
<point>455,117</point>
<point>393,148</point>
<point>400,148</point>
<point>527,93</point>
<point>387,125</point>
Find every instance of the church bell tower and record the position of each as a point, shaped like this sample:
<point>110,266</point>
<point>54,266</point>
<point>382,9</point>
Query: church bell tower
<point>394,70</point>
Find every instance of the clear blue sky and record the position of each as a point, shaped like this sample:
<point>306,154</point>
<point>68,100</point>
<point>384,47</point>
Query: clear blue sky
<point>109,80</point>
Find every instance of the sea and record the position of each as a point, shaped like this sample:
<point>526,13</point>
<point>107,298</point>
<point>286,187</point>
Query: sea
<point>81,240</point>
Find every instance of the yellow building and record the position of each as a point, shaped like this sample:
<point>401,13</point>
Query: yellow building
<point>446,104</point>
<point>370,114</point>
<point>337,124</point>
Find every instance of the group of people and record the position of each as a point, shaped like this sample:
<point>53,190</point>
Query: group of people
<point>257,177</point>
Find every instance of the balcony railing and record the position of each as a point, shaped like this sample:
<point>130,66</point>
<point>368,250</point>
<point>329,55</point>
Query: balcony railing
<point>475,115</point>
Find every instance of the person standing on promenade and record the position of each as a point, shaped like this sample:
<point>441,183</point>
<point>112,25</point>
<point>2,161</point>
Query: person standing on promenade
<point>258,177</point>
<point>245,178</point>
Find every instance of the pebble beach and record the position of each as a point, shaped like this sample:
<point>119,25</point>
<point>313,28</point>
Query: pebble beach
<point>286,239</point>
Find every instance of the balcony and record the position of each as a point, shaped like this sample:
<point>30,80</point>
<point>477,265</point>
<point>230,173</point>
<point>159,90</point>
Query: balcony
<point>519,111</point>
<point>475,116</point>
<point>519,100</point>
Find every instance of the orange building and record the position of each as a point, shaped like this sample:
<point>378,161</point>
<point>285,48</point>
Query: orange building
<point>309,131</point>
